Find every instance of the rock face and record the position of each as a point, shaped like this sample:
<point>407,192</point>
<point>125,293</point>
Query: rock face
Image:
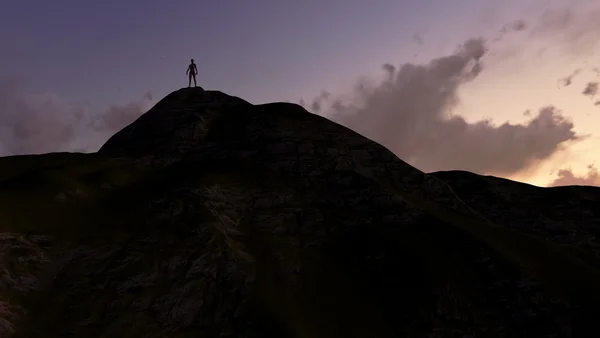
<point>212,217</point>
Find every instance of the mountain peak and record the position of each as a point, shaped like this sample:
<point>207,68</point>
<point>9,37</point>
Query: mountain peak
<point>176,120</point>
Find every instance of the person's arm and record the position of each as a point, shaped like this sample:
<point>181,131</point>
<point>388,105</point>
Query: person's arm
<point>187,70</point>
<point>196,68</point>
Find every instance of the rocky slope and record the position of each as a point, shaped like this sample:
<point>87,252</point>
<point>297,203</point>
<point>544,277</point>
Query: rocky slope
<point>212,217</point>
<point>568,216</point>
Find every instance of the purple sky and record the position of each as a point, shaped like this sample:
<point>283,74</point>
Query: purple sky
<point>74,72</point>
<point>263,50</point>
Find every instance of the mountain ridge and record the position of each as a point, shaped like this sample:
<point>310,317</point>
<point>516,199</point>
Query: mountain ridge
<point>212,216</point>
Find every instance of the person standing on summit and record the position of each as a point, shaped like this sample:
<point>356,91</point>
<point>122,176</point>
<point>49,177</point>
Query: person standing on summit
<point>192,71</point>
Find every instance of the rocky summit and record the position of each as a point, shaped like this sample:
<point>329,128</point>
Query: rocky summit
<point>209,216</point>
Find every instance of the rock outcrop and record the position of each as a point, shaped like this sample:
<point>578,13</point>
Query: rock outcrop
<point>212,217</point>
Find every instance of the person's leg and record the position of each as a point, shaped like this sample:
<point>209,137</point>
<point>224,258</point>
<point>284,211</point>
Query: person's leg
<point>190,80</point>
<point>195,81</point>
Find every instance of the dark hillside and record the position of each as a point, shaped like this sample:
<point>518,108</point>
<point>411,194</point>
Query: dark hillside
<point>212,217</point>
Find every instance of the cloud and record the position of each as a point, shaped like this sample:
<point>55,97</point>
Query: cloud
<point>417,38</point>
<point>389,68</point>
<point>410,112</point>
<point>148,96</point>
<point>568,27</point>
<point>591,89</point>
<point>42,123</point>
<point>318,101</point>
<point>568,80</point>
<point>573,26</point>
<point>515,26</point>
<point>117,116</point>
<point>566,177</point>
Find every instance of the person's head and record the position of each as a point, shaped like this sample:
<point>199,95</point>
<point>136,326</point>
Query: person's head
<point>192,60</point>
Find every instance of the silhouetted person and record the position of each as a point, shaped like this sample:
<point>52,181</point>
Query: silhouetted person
<point>192,70</point>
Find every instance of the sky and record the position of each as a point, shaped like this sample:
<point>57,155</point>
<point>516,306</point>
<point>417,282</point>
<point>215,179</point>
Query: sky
<point>504,88</point>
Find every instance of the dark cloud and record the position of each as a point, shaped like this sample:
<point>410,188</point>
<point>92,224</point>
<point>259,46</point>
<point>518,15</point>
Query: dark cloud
<point>409,113</point>
<point>515,26</point>
<point>316,106</point>
<point>568,80</point>
<point>389,68</point>
<point>148,96</point>
<point>591,89</point>
<point>34,124</point>
<point>417,38</point>
<point>566,177</point>
<point>319,100</point>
